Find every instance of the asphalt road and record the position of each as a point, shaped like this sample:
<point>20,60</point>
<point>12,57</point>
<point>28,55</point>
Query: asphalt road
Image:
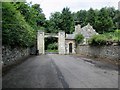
<point>61,71</point>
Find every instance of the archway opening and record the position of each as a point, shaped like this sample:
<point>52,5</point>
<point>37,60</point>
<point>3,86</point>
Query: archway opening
<point>70,47</point>
<point>51,45</point>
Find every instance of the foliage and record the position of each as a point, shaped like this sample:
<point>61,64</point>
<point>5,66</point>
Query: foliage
<point>79,38</point>
<point>67,21</point>
<point>97,40</point>
<point>52,46</point>
<point>103,20</point>
<point>54,24</point>
<point>105,39</point>
<point>21,21</point>
<point>61,21</point>
<point>32,14</point>
<point>51,43</point>
<point>91,17</point>
<point>103,23</point>
<point>116,19</point>
<point>80,16</point>
<point>15,30</point>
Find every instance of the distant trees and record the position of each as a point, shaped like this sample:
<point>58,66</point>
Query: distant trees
<point>81,17</point>
<point>67,21</point>
<point>103,20</point>
<point>116,19</point>
<point>61,21</point>
<point>91,17</point>
<point>54,24</point>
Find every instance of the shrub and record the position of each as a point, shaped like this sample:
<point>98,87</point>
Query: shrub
<point>105,39</point>
<point>79,38</point>
<point>97,40</point>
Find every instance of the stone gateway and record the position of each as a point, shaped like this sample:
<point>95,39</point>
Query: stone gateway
<point>66,42</point>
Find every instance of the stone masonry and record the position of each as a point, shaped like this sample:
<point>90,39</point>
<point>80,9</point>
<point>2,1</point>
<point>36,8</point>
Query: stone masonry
<point>40,42</point>
<point>64,41</point>
<point>12,55</point>
<point>111,52</point>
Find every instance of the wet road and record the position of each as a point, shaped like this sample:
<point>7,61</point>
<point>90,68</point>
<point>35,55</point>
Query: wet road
<point>61,71</point>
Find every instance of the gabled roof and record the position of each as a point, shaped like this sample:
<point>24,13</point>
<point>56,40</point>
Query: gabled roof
<point>87,31</point>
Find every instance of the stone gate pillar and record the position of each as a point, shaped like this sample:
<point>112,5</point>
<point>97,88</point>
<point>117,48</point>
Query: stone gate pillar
<point>61,42</point>
<point>40,42</point>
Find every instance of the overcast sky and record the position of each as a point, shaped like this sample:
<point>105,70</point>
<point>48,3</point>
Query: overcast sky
<point>50,6</point>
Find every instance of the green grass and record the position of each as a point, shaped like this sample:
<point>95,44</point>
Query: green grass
<point>51,50</point>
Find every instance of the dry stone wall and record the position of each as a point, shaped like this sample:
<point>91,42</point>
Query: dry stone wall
<point>110,52</point>
<point>12,55</point>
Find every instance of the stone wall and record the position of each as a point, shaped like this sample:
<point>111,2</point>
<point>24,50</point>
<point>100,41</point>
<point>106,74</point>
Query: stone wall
<point>110,52</point>
<point>12,55</point>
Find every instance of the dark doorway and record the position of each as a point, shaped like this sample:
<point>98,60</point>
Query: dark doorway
<point>70,48</point>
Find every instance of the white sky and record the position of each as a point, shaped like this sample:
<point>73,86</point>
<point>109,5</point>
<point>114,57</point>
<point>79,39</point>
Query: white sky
<point>50,6</point>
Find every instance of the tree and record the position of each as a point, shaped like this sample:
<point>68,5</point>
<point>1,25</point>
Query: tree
<point>117,19</point>
<point>91,17</point>
<point>67,20</point>
<point>15,30</point>
<point>32,13</point>
<point>80,16</point>
<point>111,12</point>
<point>103,23</point>
<point>55,22</point>
<point>40,17</point>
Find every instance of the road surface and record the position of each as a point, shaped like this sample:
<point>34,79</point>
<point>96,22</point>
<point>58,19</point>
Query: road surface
<point>61,71</point>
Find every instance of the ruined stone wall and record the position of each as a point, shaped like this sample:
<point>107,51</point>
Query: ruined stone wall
<point>110,52</point>
<point>12,55</point>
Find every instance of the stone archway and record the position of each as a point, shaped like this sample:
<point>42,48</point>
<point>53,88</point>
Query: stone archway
<point>40,41</point>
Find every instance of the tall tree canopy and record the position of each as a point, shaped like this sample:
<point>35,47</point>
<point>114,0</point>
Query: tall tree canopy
<point>104,23</point>
<point>91,17</point>
<point>61,21</point>
<point>80,16</point>
<point>55,22</point>
<point>103,20</point>
<point>67,20</point>
<point>33,14</point>
<point>20,23</point>
<point>15,30</point>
